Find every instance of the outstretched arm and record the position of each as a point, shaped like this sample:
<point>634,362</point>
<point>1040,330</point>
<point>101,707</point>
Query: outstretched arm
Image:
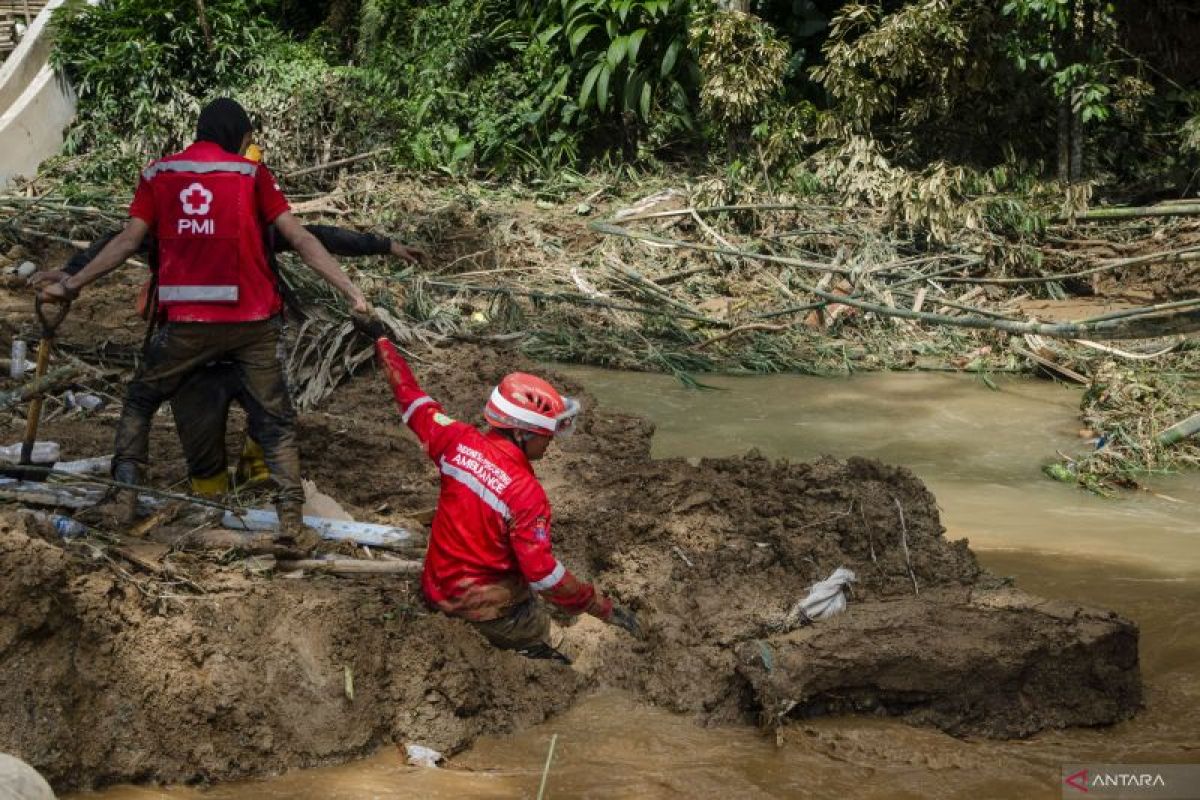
<point>111,256</point>
<point>318,258</point>
<point>420,412</point>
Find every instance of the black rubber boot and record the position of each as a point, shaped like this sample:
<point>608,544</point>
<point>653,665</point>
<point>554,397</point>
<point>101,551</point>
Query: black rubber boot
<point>126,500</point>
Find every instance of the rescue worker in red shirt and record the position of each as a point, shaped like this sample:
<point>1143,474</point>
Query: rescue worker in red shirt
<point>207,207</point>
<point>489,549</point>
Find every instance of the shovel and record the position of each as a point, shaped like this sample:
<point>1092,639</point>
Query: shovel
<point>50,323</point>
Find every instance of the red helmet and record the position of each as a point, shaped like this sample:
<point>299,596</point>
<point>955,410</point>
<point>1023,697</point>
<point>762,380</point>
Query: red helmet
<point>527,403</point>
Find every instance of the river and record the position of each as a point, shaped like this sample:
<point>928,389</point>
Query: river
<point>980,451</point>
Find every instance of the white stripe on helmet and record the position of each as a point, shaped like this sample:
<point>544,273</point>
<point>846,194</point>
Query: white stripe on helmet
<point>523,414</point>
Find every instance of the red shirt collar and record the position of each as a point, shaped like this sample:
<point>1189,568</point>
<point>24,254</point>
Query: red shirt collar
<point>210,149</point>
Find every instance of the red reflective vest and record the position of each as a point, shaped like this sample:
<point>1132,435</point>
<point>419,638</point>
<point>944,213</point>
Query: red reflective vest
<point>208,209</point>
<point>490,541</point>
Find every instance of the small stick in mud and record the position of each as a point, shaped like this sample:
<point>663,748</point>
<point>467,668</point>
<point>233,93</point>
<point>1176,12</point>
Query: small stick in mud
<point>904,542</point>
<point>546,769</point>
<point>680,553</point>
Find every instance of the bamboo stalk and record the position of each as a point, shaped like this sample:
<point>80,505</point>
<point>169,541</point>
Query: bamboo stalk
<point>1169,256</point>
<point>626,233</point>
<point>1172,209</point>
<point>1180,431</point>
<point>568,297</point>
<point>341,162</point>
<point>1129,327</point>
<point>352,566</point>
<point>38,387</point>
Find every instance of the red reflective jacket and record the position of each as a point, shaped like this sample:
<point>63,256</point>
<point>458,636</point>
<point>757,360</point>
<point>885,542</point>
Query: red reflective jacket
<point>491,531</point>
<point>208,209</point>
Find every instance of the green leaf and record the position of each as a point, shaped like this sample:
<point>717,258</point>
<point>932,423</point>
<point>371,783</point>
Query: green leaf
<point>616,51</point>
<point>462,150</point>
<point>559,88</point>
<point>635,44</point>
<point>548,34</point>
<point>669,58</point>
<point>579,35</point>
<point>602,87</point>
<point>589,81</point>
<point>645,103</point>
<point>633,88</point>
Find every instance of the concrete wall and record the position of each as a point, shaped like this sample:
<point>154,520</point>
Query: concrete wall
<point>35,106</point>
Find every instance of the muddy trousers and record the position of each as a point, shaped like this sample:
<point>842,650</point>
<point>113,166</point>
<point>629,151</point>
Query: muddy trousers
<point>201,411</point>
<point>178,350</point>
<point>525,626</point>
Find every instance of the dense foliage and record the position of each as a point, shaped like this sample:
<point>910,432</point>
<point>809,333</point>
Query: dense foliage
<point>1080,90</point>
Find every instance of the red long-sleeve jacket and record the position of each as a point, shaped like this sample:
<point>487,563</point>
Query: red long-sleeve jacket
<point>490,542</point>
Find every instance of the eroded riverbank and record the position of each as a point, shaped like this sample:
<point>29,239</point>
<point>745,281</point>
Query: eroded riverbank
<point>249,678</point>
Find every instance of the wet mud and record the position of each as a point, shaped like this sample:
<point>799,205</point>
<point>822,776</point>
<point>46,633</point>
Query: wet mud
<point>109,677</point>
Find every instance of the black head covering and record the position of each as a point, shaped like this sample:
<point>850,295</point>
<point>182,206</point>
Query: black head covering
<point>223,122</point>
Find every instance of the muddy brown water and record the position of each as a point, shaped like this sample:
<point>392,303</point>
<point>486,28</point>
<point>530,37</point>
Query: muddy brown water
<point>980,451</point>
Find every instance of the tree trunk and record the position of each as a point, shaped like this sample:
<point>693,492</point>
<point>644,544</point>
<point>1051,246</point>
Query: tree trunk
<point>1083,54</point>
<point>1066,115</point>
<point>203,19</point>
<point>1064,140</point>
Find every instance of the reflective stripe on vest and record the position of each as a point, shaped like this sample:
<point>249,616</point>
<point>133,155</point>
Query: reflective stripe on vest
<point>197,294</point>
<point>490,498</point>
<point>200,167</point>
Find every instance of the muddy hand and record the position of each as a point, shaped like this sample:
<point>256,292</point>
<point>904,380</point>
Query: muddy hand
<point>412,255</point>
<point>57,293</point>
<point>44,277</point>
<point>624,618</point>
<point>370,326</point>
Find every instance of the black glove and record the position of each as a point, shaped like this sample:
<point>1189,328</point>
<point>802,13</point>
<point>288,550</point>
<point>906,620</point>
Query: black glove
<point>624,618</point>
<point>371,327</point>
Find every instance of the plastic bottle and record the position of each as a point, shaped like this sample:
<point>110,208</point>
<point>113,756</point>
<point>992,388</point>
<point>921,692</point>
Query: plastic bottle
<point>43,453</point>
<point>16,368</point>
<point>66,527</point>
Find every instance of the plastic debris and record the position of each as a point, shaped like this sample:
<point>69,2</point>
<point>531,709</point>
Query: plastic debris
<point>43,453</point>
<point>421,756</point>
<point>83,402</point>
<point>100,465</point>
<point>18,366</point>
<point>257,519</point>
<point>65,527</point>
<point>825,599</point>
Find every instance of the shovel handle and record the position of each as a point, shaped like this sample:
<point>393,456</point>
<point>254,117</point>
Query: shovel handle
<point>50,320</point>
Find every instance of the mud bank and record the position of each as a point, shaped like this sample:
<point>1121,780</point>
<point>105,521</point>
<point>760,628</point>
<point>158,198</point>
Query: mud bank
<point>109,677</point>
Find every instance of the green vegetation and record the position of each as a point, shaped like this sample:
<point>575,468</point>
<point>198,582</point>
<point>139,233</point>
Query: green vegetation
<point>1100,94</point>
<point>921,156</point>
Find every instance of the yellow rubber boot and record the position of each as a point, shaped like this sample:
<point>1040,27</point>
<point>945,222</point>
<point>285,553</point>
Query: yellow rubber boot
<point>252,465</point>
<point>215,486</point>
